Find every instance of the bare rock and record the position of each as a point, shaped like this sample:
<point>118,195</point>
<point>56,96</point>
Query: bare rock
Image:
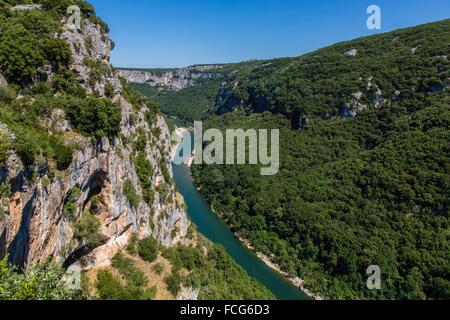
<point>414,50</point>
<point>352,53</point>
<point>26,7</point>
<point>3,83</point>
<point>175,80</point>
<point>188,294</point>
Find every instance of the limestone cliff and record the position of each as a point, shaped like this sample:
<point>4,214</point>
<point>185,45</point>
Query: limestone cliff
<point>173,80</point>
<point>34,227</point>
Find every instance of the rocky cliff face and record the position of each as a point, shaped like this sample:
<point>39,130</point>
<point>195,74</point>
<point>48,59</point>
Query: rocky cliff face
<point>34,227</point>
<point>175,80</point>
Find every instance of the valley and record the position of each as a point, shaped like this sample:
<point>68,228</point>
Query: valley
<point>364,161</point>
<point>94,207</point>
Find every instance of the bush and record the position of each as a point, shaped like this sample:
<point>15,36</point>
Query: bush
<point>7,95</point>
<point>130,192</point>
<point>5,149</point>
<point>58,52</point>
<point>132,247</point>
<point>148,249</point>
<point>94,117</point>
<point>109,90</point>
<point>26,146</point>
<point>20,55</point>
<point>165,172</point>
<point>70,208</point>
<point>110,288</point>
<point>5,190</point>
<point>173,283</point>
<point>158,268</point>
<point>28,43</point>
<point>144,170</point>
<point>87,230</point>
<point>43,282</point>
<point>126,267</point>
<point>63,157</point>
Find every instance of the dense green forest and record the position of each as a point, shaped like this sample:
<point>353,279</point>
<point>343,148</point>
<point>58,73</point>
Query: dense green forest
<point>365,164</point>
<point>189,104</point>
<point>199,101</point>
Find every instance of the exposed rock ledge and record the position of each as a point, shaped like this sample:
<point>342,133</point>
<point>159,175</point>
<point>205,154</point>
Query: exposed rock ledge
<point>175,80</point>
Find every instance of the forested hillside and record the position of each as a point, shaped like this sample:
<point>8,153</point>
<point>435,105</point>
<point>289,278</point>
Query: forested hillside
<point>201,99</point>
<point>365,164</point>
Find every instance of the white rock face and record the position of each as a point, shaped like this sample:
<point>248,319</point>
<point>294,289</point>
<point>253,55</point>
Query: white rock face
<point>414,50</point>
<point>372,93</point>
<point>172,80</point>
<point>352,53</point>
<point>35,228</point>
<point>188,294</point>
<point>3,83</point>
<point>26,7</point>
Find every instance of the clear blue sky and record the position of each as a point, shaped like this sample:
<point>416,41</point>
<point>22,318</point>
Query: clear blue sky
<point>170,33</point>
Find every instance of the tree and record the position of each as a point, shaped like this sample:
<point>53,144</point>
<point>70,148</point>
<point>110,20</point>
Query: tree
<point>43,282</point>
<point>148,249</point>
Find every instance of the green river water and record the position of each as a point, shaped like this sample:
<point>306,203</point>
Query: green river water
<point>217,231</point>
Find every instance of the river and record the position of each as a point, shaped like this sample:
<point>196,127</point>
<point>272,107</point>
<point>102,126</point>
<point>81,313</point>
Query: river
<point>217,231</point>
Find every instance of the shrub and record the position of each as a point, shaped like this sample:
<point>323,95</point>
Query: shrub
<point>95,117</point>
<point>65,82</point>
<point>26,146</point>
<point>5,149</point>
<point>87,230</point>
<point>63,157</point>
<point>109,90</point>
<point>58,52</point>
<point>148,249</point>
<point>144,170</point>
<point>42,282</point>
<point>20,54</point>
<point>132,247</point>
<point>130,193</point>
<point>165,173</point>
<point>110,288</point>
<point>173,283</point>
<point>7,95</point>
<point>5,190</point>
<point>126,267</point>
<point>158,268</point>
<point>70,208</point>
<point>141,143</point>
<point>149,294</point>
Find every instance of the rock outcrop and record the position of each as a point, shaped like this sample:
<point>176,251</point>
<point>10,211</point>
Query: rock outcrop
<point>3,83</point>
<point>35,228</point>
<point>173,80</point>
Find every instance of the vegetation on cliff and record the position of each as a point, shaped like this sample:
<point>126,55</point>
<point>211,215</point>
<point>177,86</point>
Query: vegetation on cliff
<point>189,268</point>
<point>39,283</point>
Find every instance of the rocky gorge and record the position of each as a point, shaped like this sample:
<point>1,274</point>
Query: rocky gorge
<point>172,79</point>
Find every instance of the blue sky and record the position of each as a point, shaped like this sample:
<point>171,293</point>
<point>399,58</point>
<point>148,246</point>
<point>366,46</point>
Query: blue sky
<point>174,33</point>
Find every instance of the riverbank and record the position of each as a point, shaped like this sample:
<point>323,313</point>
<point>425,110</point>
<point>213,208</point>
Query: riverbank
<point>296,281</point>
<point>210,225</point>
<point>180,132</point>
